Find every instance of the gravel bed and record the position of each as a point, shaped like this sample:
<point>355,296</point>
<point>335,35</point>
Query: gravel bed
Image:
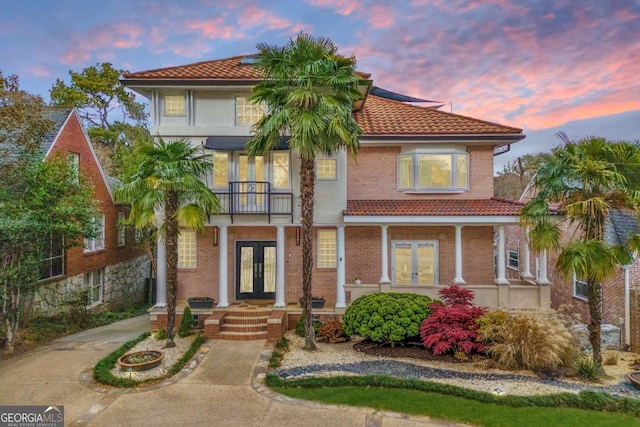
<point>341,359</point>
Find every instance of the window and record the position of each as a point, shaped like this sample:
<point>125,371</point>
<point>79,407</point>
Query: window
<point>512,261</point>
<point>187,249</point>
<point>96,243</point>
<point>73,159</point>
<point>174,105</point>
<point>327,248</point>
<point>327,169</point>
<point>53,262</point>
<point>94,284</point>
<point>580,289</point>
<point>220,169</point>
<point>280,170</point>
<point>433,172</point>
<point>122,231</point>
<point>138,235</point>
<point>247,113</point>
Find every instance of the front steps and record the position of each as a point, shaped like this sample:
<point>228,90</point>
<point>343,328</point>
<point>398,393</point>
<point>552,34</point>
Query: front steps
<point>246,325</point>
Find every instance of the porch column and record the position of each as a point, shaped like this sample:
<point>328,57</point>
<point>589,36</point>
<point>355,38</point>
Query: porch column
<point>542,264</point>
<point>459,280</point>
<point>280,300</point>
<point>502,273</point>
<point>385,256</point>
<point>526,255</point>
<point>340,273</point>
<point>223,284</point>
<point>161,274</point>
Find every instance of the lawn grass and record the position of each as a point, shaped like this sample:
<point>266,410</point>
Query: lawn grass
<point>458,409</point>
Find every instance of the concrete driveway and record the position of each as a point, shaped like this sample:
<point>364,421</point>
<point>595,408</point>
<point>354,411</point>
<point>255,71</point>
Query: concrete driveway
<point>224,390</point>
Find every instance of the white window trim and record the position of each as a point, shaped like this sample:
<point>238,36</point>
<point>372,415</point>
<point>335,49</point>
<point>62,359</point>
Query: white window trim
<point>89,279</point>
<point>414,245</point>
<point>272,168</point>
<point>195,250</point>
<point>229,167</point>
<point>236,110</point>
<point>49,258</point>
<point>417,189</point>
<point>574,288</point>
<point>509,259</point>
<point>122,230</point>
<point>97,243</point>
<point>335,160</point>
<point>335,236</point>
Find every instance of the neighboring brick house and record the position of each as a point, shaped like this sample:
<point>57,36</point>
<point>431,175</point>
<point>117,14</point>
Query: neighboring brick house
<point>413,213</point>
<point>112,267</point>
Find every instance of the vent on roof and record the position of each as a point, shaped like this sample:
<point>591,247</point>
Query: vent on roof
<point>248,60</point>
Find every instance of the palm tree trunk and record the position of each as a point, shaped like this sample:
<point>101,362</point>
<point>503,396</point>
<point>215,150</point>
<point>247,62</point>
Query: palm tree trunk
<point>171,242</point>
<point>307,182</point>
<point>594,297</point>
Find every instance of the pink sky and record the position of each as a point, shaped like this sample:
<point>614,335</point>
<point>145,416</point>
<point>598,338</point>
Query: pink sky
<point>528,64</point>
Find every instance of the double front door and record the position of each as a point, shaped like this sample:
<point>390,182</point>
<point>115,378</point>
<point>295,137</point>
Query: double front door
<point>255,270</point>
<point>414,262</point>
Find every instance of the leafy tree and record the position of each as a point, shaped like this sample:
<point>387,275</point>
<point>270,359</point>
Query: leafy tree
<point>169,178</point>
<point>585,180</point>
<point>310,90</point>
<point>511,182</point>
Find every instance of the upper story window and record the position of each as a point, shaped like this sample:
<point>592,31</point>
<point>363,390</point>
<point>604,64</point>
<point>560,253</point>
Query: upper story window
<point>327,169</point>
<point>220,169</point>
<point>96,243</point>
<point>187,252</point>
<point>281,177</point>
<point>122,231</point>
<point>247,113</point>
<point>73,159</point>
<point>53,262</point>
<point>433,172</point>
<point>174,105</point>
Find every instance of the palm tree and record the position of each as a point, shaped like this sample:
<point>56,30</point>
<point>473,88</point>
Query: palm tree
<point>584,180</point>
<point>170,177</point>
<point>309,90</point>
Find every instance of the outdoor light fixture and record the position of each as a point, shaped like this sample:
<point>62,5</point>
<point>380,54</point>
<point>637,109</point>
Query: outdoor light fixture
<point>215,236</point>
<point>297,236</point>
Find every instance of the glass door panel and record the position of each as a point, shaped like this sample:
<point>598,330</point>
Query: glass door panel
<point>414,263</point>
<point>251,174</point>
<point>269,269</point>
<point>255,270</point>
<point>246,269</point>
<point>403,267</point>
<point>426,269</point>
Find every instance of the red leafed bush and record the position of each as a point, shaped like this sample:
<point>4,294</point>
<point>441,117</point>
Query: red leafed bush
<point>452,327</point>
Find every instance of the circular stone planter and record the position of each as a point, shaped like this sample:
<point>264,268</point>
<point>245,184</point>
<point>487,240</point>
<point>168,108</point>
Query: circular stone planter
<point>140,360</point>
<point>634,379</point>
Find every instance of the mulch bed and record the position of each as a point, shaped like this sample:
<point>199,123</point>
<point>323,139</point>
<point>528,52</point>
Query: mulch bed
<point>410,350</point>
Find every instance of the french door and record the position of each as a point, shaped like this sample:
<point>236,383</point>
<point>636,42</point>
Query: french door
<point>255,270</point>
<point>252,192</point>
<point>414,262</point>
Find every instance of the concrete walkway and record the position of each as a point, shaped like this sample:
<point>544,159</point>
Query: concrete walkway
<point>224,390</point>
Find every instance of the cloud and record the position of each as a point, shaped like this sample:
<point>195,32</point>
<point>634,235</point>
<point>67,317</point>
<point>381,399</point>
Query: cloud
<point>103,37</point>
<point>253,16</point>
<point>214,28</point>
<point>341,7</point>
<point>380,16</point>
<point>40,71</point>
<point>194,48</point>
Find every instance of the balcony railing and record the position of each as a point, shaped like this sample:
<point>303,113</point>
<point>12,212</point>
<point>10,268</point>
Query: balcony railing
<point>255,198</point>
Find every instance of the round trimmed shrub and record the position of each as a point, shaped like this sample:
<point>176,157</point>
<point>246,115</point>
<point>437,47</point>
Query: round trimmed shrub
<point>387,318</point>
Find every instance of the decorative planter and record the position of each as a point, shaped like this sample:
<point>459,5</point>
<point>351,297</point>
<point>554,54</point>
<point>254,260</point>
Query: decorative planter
<point>358,282</point>
<point>201,303</point>
<point>140,360</point>
<point>315,302</point>
<point>634,379</point>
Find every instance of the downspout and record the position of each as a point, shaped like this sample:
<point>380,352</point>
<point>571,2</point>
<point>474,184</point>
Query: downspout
<point>627,308</point>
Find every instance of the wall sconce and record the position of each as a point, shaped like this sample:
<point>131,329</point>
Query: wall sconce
<point>215,236</point>
<point>297,236</point>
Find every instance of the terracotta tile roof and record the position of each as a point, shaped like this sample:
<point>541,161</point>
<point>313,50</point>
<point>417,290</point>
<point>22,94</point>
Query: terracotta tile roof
<point>441,207</point>
<point>387,117</point>
<point>217,69</point>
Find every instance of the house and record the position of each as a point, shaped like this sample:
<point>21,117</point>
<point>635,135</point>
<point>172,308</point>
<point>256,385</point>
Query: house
<point>111,267</point>
<point>414,213</point>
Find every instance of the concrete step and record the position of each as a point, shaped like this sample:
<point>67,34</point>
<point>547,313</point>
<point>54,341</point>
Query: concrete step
<point>244,328</point>
<point>243,336</point>
<point>235,320</point>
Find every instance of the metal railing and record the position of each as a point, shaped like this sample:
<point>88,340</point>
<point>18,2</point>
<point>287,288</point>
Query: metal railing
<point>255,198</point>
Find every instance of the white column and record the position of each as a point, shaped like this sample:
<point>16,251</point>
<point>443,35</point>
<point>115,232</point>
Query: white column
<point>502,273</point>
<point>459,280</point>
<point>340,273</point>
<point>223,283</point>
<point>280,300</point>
<point>542,278</point>
<point>526,255</point>
<point>385,256</point>
<point>627,307</point>
<point>161,274</point>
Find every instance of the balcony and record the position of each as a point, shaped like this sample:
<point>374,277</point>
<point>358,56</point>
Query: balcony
<point>255,198</point>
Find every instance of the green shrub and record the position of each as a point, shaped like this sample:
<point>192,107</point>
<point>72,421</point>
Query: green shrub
<point>160,334</point>
<point>185,323</point>
<point>317,324</point>
<point>387,318</point>
<point>587,369</point>
<point>332,332</point>
<point>491,326</point>
<point>530,341</point>
<point>282,346</point>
